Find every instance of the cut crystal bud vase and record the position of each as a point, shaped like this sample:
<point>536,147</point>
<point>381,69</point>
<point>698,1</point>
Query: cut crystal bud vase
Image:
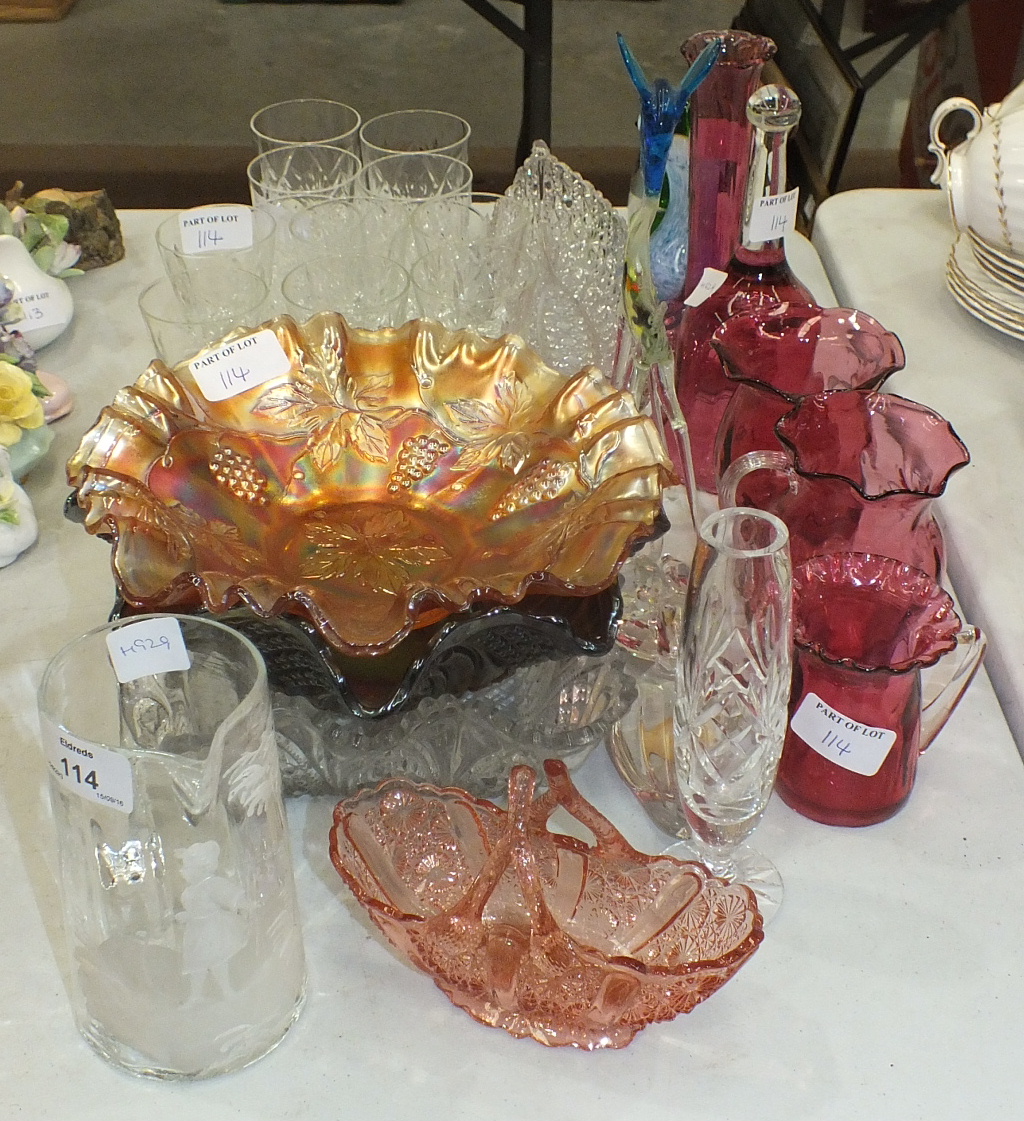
<point>733,689</point>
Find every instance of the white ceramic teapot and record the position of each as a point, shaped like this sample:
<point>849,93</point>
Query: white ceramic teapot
<point>984,175</point>
<point>45,301</point>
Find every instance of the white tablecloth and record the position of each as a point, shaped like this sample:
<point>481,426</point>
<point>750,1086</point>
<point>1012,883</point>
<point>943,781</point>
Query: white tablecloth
<point>885,252</point>
<point>887,989</point>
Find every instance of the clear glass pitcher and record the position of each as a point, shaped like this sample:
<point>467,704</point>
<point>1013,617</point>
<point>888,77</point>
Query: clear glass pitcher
<point>174,866</point>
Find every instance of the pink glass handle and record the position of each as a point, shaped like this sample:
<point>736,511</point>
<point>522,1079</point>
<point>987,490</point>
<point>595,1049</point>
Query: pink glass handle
<point>943,684</point>
<point>745,465</point>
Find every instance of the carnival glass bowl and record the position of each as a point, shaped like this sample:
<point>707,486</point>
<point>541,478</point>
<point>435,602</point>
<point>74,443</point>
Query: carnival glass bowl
<point>536,932</point>
<point>385,481</point>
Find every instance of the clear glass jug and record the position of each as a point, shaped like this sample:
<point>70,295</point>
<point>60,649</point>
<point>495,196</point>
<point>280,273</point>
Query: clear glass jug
<point>174,867</point>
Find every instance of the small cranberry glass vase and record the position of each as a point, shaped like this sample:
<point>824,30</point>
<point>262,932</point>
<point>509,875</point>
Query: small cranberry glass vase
<point>757,276</point>
<point>720,134</point>
<point>778,356</point>
<point>864,628</point>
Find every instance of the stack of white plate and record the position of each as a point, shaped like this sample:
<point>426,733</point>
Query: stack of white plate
<point>988,281</point>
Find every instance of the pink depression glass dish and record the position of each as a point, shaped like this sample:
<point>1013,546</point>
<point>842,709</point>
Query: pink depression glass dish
<point>388,480</point>
<point>536,932</point>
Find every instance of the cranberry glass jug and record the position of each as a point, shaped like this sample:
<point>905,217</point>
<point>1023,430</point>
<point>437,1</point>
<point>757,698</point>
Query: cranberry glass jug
<point>863,470</point>
<point>864,628</point>
<point>778,356</point>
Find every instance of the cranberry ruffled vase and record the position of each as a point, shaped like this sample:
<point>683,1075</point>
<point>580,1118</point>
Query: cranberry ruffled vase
<point>776,357</point>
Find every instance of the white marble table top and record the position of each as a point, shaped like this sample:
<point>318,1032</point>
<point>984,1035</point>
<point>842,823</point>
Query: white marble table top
<point>888,988</point>
<point>885,252</point>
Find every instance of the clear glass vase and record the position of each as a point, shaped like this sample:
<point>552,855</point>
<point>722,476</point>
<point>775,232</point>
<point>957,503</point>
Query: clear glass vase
<point>733,680</point>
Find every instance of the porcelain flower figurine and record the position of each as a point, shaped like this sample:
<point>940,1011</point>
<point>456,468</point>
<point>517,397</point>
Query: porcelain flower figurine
<point>18,528</point>
<point>21,405</point>
<point>56,394</point>
<point>44,236</point>
<point>23,429</point>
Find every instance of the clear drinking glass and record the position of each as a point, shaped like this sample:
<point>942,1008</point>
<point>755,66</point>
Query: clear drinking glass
<point>227,299</point>
<point>414,177</point>
<point>457,286</point>
<point>201,247</point>
<point>414,130</point>
<point>306,120</point>
<point>443,222</point>
<point>353,225</point>
<point>733,681</point>
<point>172,850</point>
<point>302,175</point>
<point>367,289</point>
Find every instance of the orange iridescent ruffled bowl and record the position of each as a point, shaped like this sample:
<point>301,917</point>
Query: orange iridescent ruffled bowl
<point>536,932</point>
<point>388,480</point>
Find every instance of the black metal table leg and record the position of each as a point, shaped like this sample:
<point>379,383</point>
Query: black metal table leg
<point>534,40</point>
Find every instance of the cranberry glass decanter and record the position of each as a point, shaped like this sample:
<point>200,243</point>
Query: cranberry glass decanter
<point>757,276</point>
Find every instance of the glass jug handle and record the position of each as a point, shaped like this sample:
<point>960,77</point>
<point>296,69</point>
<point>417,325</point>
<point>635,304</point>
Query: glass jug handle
<point>943,684</point>
<point>745,465</point>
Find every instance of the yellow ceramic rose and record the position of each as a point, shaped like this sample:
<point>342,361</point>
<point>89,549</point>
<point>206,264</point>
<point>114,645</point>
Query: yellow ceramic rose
<point>19,406</point>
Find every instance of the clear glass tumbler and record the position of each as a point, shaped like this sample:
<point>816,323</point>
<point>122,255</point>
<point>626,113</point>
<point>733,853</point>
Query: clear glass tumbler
<point>414,177</point>
<point>302,175</point>
<point>306,120</point>
<point>200,247</point>
<point>414,130</point>
<point>367,289</point>
<point>227,297</point>
<point>174,867</point>
<point>457,286</point>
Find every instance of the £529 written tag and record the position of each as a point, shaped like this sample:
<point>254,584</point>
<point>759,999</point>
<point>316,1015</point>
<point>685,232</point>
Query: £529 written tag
<point>147,647</point>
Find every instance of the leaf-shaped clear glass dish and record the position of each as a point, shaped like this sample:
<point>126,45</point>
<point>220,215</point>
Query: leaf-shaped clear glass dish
<point>388,480</point>
<point>562,277</point>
